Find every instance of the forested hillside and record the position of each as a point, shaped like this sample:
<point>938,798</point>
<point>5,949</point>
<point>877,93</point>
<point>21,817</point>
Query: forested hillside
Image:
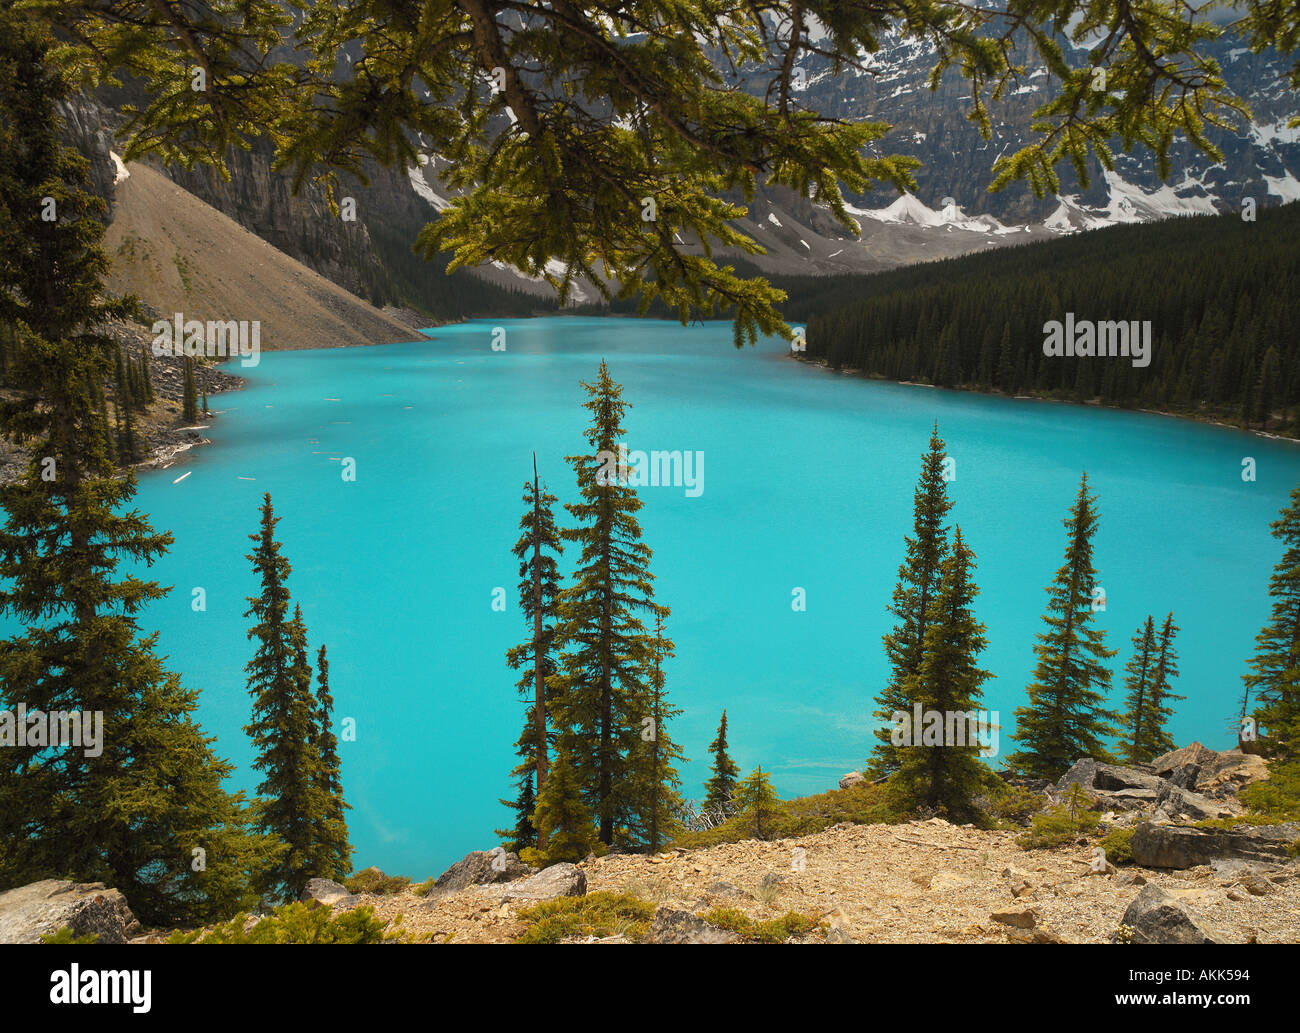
<point>1222,295</point>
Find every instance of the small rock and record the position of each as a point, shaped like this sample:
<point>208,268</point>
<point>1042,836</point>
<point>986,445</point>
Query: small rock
<point>672,926</point>
<point>851,779</point>
<point>838,935</point>
<point>1018,919</point>
<point>328,893</point>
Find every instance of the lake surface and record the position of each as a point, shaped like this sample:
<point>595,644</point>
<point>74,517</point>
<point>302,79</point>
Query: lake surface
<point>808,481</point>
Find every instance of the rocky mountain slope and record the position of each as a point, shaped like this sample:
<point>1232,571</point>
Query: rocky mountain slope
<point>178,254</point>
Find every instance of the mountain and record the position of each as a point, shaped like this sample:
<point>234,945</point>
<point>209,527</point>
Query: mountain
<point>952,213</point>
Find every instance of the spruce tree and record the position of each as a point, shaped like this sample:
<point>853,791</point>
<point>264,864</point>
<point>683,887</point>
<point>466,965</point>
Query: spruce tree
<point>523,835</point>
<point>913,600</point>
<point>946,775</point>
<point>721,786</point>
<point>292,806</point>
<point>1161,741</point>
<point>1139,678</point>
<point>1067,718</point>
<point>756,801</point>
<point>1274,680</point>
<point>146,812</point>
<point>1149,675</point>
<point>654,803</point>
<point>601,687</point>
<point>563,821</point>
<point>336,850</point>
<point>539,585</point>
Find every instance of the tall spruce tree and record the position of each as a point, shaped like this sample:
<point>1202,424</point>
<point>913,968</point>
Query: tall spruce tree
<point>292,806</point>
<point>336,845</point>
<point>913,600</point>
<point>601,686</point>
<point>651,817</point>
<point>1274,680</point>
<point>1067,717</point>
<point>1161,741</point>
<point>1139,677</point>
<point>1149,676</point>
<point>946,774</point>
<point>537,549</point>
<point>139,802</point>
<point>721,786</point>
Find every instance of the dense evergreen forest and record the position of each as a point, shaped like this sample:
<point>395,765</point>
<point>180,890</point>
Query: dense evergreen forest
<point>1222,295</point>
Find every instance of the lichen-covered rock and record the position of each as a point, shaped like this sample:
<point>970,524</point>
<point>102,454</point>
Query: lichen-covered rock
<point>327,893</point>
<point>1180,846</point>
<point>559,880</point>
<point>481,867</point>
<point>673,926</point>
<point>1157,916</point>
<point>42,908</point>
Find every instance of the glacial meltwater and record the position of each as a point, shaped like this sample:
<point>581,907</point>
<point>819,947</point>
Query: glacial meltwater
<point>806,483</point>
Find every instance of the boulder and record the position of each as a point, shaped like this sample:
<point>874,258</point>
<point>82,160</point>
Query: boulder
<point>42,908</point>
<point>327,893</point>
<point>851,779</point>
<point>1180,846</point>
<point>1218,770</point>
<point>480,867</point>
<point>559,880</point>
<point>1092,774</point>
<point>672,926</point>
<point>1174,802</point>
<point>1157,916</point>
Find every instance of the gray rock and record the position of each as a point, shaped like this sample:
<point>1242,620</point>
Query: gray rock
<point>671,926</point>
<point>559,880</point>
<point>1091,774</point>
<point>1179,846</point>
<point>838,935</point>
<point>41,908</point>
<point>481,867</point>
<point>327,893</point>
<point>1180,803</point>
<point>722,888</point>
<point>851,779</point>
<point>1185,777</point>
<point>1157,916</point>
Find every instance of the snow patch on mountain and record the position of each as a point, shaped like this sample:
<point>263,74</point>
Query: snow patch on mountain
<point>421,185</point>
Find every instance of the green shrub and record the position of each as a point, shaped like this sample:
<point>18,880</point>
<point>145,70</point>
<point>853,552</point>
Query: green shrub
<point>1278,796</point>
<point>1063,824</point>
<point>422,889</point>
<point>294,923</point>
<point>1014,806</point>
<point>65,935</point>
<point>862,804</point>
<point>1118,844</point>
<point>595,914</point>
<point>372,880</point>
<point>774,930</point>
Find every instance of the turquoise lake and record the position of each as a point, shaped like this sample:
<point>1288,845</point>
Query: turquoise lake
<point>807,483</point>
